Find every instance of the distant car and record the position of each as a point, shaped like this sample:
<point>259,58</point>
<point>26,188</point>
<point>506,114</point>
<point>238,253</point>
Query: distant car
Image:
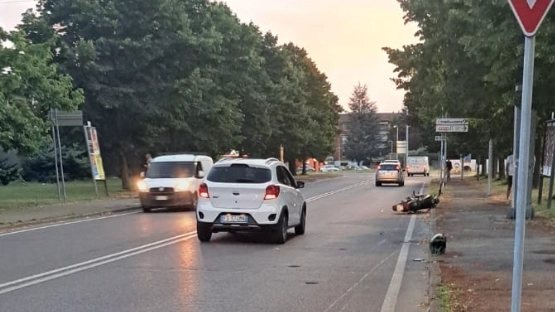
<point>246,195</point>
<point>329,168</point>
<point>389,172</point>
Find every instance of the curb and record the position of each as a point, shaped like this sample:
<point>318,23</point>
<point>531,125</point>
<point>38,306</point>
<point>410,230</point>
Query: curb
<point>434,270</point>
<point>65,218</point>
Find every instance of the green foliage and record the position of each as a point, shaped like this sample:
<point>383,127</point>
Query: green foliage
<point>364,141</point>
<point>466,65</point>
<point>9,172</point>
<point>29,86</point>
<point>40,167</point>
<point>186,75</point>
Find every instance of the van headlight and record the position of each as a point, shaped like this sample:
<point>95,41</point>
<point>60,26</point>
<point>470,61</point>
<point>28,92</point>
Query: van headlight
<point>142,186</point>
<point>181,186</point>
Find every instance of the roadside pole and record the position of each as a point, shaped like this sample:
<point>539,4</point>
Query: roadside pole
<point>61,155</point>
<point>441,161</point>
<point>529,14</point>
<point>490,165</point>
<point>54,141</point>
<point>462,167</point>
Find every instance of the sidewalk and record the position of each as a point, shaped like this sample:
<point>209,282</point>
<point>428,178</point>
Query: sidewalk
<point>478,262</point>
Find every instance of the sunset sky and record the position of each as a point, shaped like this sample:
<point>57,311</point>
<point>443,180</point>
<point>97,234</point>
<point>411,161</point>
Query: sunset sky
<point>343,37</point>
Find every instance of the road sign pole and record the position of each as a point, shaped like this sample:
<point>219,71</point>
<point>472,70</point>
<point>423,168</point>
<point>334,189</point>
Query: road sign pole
<point>490,165</point>
<point>524,159</point>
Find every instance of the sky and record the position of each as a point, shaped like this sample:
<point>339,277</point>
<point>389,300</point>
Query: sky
<point>343,37</point>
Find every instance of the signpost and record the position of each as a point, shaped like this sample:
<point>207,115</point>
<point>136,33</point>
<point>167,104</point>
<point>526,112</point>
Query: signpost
<point>529,14</point>
<point>456,128</point>
<point>439,138</point>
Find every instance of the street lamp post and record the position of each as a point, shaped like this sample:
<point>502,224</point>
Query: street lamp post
<point>397,142</point>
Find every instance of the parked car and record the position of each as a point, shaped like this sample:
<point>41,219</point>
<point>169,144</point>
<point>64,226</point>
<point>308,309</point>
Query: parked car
<point>249,195</point>
<point>389,172</point>
<point>329,168</point>
<point>172,181</point>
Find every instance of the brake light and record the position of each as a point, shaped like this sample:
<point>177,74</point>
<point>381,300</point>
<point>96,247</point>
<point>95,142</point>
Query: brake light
<point>397,167</point>
<point>272,192</point>
<point>203,191</point>
<point>378,167</point>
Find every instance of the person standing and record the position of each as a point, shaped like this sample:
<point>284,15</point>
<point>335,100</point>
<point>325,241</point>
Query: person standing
<point>449,167</point>
<point>509,172</point>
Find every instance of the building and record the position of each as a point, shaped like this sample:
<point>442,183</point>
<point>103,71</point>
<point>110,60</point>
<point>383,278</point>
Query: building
<point>385,120</point>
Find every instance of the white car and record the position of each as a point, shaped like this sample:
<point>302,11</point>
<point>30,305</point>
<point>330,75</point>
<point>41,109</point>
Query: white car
<point>329,168</point>
<point>244,194</point>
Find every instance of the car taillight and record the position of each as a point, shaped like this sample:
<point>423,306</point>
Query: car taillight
<point>272,192</point>
<point>378,167</point>
<point>397,167</point>
<point>203,191</point>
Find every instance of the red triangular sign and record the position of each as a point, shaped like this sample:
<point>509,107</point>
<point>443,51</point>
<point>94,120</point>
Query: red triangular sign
<point>530,14</point>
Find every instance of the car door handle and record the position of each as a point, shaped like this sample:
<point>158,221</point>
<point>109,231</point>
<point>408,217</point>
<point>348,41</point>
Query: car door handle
<point>235,193</point>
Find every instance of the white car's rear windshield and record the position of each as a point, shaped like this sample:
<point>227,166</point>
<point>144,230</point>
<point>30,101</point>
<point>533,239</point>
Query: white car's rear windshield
<point>239,173</point>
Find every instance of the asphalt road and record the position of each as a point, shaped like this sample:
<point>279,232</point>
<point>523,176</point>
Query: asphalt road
<point>357,255</point>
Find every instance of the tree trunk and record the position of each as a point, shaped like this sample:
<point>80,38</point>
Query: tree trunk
<point>292,166</point>
<point>483,164</point>
<point>537,165</point>
<point>501,168</point>
<point>124,172</point>
<point>304,166</point>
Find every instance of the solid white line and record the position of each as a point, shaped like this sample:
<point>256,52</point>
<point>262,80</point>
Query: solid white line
<point>92,263</point>
<point>66,223</point>
<point>359,281</point>
<point>395,285</point>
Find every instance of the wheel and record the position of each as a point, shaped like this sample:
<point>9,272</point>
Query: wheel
<point>204,232</point>
<point>378,184</point>
<point>280,236</point>
<point>300,229</point>
<point>402,183</point>
<point>146,209</point>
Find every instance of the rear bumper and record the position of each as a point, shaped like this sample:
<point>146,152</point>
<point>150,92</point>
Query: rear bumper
<point>388,180</point>
<point>167,200</point>
<point>265,215</point>
<point>250,226</point>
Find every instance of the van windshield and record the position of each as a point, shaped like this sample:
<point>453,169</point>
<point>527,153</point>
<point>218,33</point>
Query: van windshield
<point>170,170</point>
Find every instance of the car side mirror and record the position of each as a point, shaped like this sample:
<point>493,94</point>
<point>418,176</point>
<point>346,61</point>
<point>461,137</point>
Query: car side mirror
<point>300,184</point>
<point>200,174</point>
<point>142,175</point>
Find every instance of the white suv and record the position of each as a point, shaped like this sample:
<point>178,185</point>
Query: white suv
<point>242,194</point>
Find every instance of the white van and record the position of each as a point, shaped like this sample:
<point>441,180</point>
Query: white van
<point>172,181</point>
<point>418,165</point>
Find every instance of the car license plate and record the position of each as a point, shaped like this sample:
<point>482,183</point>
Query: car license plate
<point>161,197</point>
<point>234,219</point>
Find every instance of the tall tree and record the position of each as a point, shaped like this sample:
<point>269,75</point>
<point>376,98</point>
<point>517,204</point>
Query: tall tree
<point>30,85</point>
<point>363,141</point>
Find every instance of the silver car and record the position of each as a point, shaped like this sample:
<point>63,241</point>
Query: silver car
<point>390,173</point>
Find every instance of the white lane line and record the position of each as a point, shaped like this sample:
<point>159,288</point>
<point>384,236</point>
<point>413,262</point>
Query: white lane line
<point>395,285</point>
<point>78,267</point>
<point>359,281</point>
<point>313,198</point>
<point>66,223</point>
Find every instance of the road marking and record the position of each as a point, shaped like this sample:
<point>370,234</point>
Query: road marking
<point>395,285</point>
<point>359,281</point>
<point>66,223</point>
<point>314,198</point>
<point>78,267</point>
<point>60,223</point>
